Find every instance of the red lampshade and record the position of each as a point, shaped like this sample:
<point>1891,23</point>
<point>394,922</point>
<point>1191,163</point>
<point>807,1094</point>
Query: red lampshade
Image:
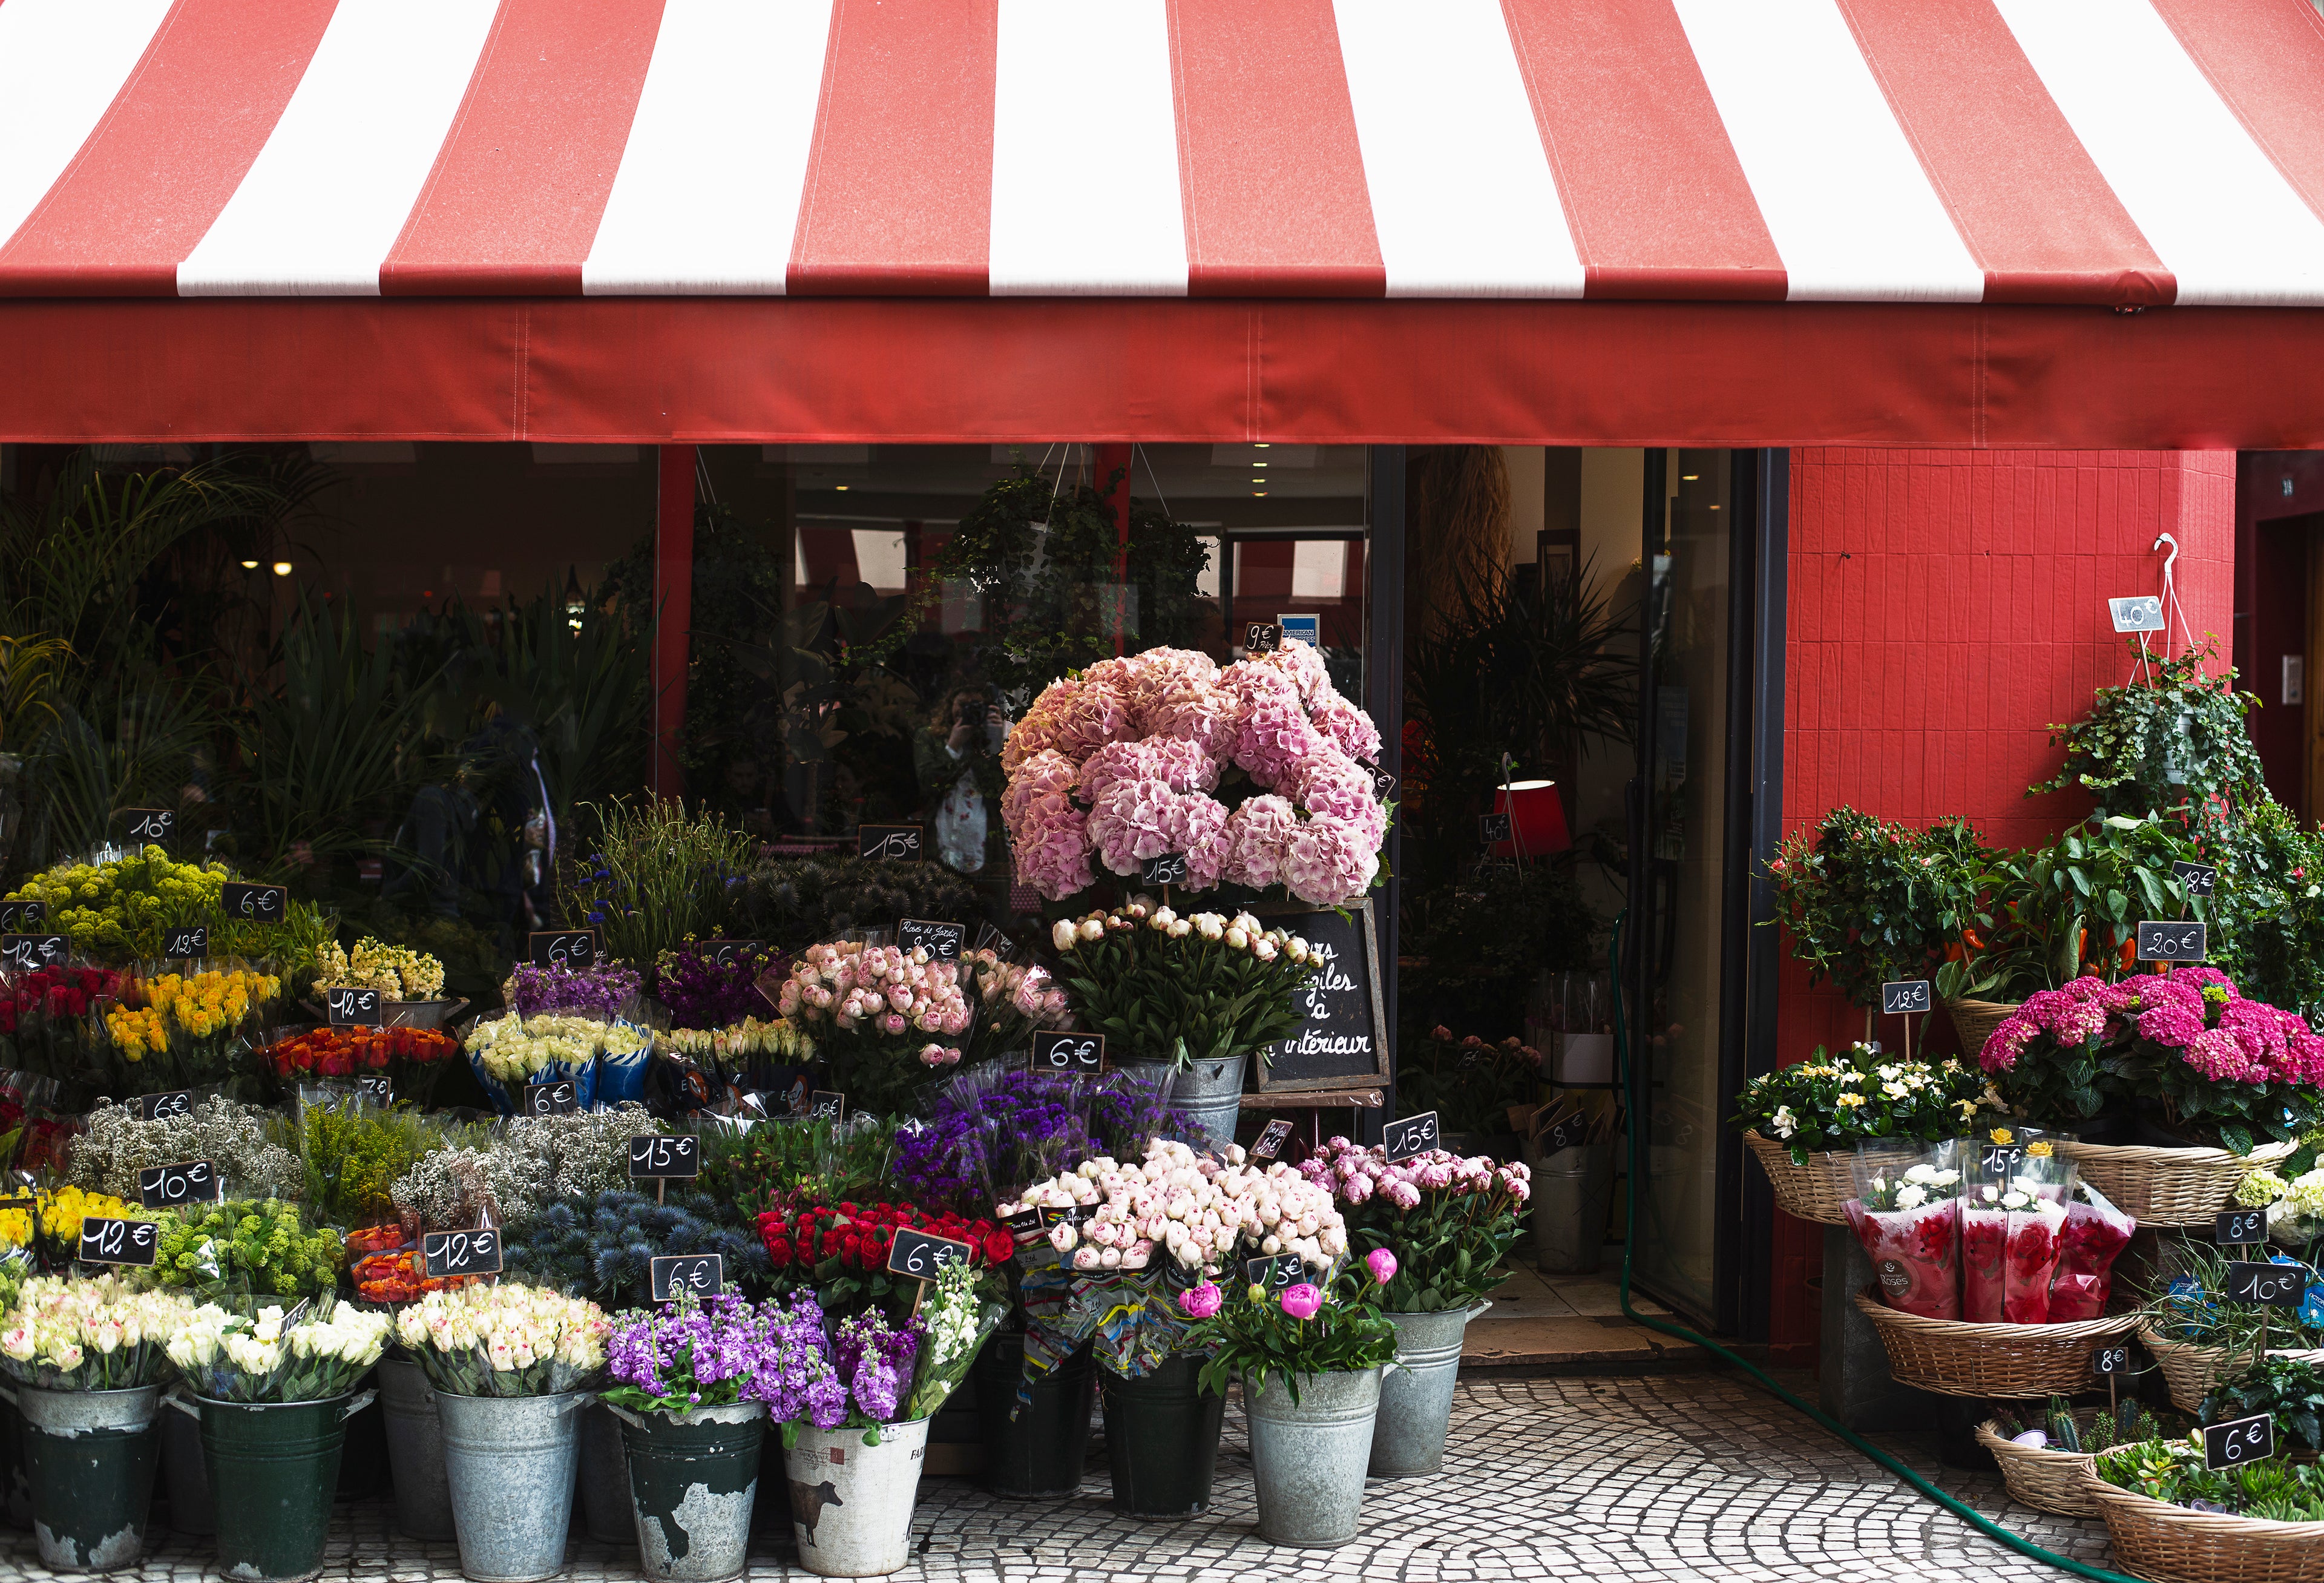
<point>1536,819</point>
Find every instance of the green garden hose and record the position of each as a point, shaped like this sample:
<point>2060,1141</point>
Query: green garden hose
<point>1631,1107</point>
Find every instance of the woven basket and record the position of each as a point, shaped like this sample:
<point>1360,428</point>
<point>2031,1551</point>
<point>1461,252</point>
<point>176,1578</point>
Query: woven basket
<point>1975,1021</point>
<point>1814,1191</point>
<point>2168,1186</point>
<point>2002,1363</point>
<point>2169,1544</point>
<point>2043,1480</point>
<point>2190,1370</point>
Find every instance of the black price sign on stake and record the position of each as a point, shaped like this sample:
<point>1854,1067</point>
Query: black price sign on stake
<point>919,1255</point>
<point>23,953</point>
<point>1169,869</point>
<point>185,942</point>
<point>161,1187</point>
<point>1414,1134</point>
<point>899,843</point>
<point>117,1242</point>
<point>22,917</point>
<point>461,1252</point>
<point>997,941</point>
<point>726,953</point>
<point>562,948</point>
<point>378,1090</point>
<point>1565,1134</point>
<point>1384,784</point>
<point>2199,878</point>
<point>1068,1053</point>
<point>1493,829</point>
<point>2000,1161</point>
<point>1262,637</point>
<point>697,1275</point>
<point>944,940</point>
<point>2111,1360</point>
<point>556,1098</point>
<point>254,903</point>
<point>2266,1285</point>
<point>1901,997</point>
<point>655,1155</point>
<point>2237,1227</point>
<point>163,1107</point>
<point>2141,612</point>
<point>2237,1441</point>
<point>2175,940</point>
<point>1271,1139</point>
<point>824,1105</point>
<point>351,1008</point>
<point>149,825</point>
<point>1275,1274</point>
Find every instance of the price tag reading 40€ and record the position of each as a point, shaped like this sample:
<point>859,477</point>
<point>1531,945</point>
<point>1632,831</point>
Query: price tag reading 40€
<point>918,1254</point>
<point>2238,1440</point>
<point>348,1008</point>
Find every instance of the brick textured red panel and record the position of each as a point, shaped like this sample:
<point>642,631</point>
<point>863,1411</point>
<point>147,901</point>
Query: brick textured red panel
<point>1945,607</point>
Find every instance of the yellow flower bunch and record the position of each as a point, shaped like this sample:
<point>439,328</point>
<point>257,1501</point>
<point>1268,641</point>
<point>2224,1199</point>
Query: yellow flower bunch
<point>137,1030</point>
<point>214,1002</point>
<point>16,1228</point>
<point>120,909</point>
<point>397,972</point>
<point>62,1212</point>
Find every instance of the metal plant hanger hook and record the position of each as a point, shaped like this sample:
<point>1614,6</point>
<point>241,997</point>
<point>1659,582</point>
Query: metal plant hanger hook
<point>2171,605</point>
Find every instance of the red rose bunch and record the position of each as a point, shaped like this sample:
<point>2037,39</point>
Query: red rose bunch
<point>56,992</point>
<point>841,1250</point>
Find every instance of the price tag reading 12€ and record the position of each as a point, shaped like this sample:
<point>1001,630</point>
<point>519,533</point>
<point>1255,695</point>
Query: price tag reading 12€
<point>1904,996</point>
<point>461,1252</point>
<point>117,1242</point>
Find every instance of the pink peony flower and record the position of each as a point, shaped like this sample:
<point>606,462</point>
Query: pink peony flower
<point>1200,1302</point>
<point>1328,863</point>
<point>1382,1264</point>
<point>1301,1301</point>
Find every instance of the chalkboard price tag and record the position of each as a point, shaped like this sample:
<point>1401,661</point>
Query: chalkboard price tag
<point>2266,1285</point>
<point>1262,637</point>
<point>1024,1223</point>
<point>1999,1162</point>
<point>1903,996</point>
<point>1068,1053</point>
<point>1273,1275</point>
<point>898,843</point>
<point>22,917</point>
<point>726,953</point>
<point>919,1255</point>
<point>26,953</point>
<point>562,948</point>
<point>1271,1139</point>
<point>944,941</point>
<point>1169,869</point>
<point>2111,1360</point>
<point>148,826</point>
<point>163,1187</point>
<point>827,1105</point>
<point>2143,613</point>
<point>461,1252</point>
<point>2237,1441</point>
<point>254,903</point>
<point>185,942</point>
<point>655,1156</point>
<point>2237,1227</point>
<point>1414,1135</point>
<point>1384,784</point>
<point>105,1240</point>
<point>177,1102</point>
<point>695,1276</point>
<point>2175,940</point>
<point>2199,878</point>
<point>560,1098</point>
<point>1566,1134</point>
<point>997,941</point>
<point>379,1090</point>
<point>348,1007</point>
<point>1494,828</point>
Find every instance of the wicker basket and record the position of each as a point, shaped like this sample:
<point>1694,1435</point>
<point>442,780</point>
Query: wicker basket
<point>2002,1362</point>
<point>1814,1191</point>
<point>2190,1370</point>
<point>2043,1480</point>
<point>2171,1544</point>
<point>2168,1186</point>
<point>1975,1021</point>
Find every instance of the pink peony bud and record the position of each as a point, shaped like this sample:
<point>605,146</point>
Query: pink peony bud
<point>1382,1264</point>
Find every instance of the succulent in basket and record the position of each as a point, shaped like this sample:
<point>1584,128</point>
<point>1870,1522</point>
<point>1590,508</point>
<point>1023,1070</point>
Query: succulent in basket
<point>316,1351</point>
<point>2290,1390</point>
<point>2172,1471</point>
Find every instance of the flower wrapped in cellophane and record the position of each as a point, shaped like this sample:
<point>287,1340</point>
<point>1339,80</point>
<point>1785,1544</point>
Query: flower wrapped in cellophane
<point>313,1352</point>
<point>89,1333</point>
<point>506,1340</point>
<point>1906,1214</point>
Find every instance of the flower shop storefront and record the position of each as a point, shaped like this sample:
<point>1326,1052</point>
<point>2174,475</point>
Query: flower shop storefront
<point>778,412</point>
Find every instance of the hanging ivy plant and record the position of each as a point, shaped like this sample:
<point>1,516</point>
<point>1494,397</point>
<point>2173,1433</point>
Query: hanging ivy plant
<point>2173,735</point>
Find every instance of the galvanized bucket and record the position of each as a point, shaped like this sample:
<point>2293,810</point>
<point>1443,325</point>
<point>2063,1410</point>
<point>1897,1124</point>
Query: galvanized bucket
<point>89,1457</point>
<point>1209,1093</point>
<point>1162,1439</point>
<point>1416,1397</point>
<point>511,1461</point>
<point>852,1504</point>
<point>606,1515</point>
<point>1307,1457</point>
<point>1572,1193</point>
<point>692,1483</point>
<point>415,1451</point>
<point>273,1466</point>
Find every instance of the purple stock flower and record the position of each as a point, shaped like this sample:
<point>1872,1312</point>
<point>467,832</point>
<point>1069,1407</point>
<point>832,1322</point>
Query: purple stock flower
<point>600,991</point>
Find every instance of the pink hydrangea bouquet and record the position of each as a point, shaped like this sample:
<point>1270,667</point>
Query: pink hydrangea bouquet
<point>1256,772</point>
<point>1444,1223</point>
<point>2180,1049</point>
<point>886,1018</point>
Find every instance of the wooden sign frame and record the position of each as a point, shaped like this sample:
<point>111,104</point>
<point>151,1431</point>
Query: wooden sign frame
<point>1381,1032</point>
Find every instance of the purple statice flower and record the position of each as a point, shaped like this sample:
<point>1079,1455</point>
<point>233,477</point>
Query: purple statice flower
<point>600,991</point>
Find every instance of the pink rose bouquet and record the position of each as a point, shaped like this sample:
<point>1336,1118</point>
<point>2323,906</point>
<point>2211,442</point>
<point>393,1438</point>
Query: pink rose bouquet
<point>886,1019</point>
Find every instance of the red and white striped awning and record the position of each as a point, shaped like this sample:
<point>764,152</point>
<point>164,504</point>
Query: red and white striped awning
<point>2109,152</point>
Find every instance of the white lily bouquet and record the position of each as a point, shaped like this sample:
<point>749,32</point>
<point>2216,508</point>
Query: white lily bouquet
<point>506,1340</point>
<point>956,1318</point>
<point>89,1333</point>
<point>315,1352</point>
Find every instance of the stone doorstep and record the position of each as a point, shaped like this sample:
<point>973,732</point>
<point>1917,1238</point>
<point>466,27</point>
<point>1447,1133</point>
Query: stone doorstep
<point>1576,1345</point>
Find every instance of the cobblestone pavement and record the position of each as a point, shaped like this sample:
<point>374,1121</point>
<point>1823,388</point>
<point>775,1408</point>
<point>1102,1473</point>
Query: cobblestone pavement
<point>1646,1479</point>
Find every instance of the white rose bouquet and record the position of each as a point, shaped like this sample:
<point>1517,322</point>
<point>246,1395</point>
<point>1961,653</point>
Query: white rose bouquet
<point>1199,1211</point>
<point>506,1340</point>
<point>73,1333</point>
<point>315,1352</point>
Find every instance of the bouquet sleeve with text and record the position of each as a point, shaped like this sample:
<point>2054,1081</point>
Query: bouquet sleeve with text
<point>1906,1214</point>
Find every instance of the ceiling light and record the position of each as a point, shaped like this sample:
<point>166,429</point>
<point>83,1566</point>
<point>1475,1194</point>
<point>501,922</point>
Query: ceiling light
<point>1259,495</point>
<point>839,485</point>
<point>282,569</point>
<point>250,566</point>
<point>1261,444</point>
<point>1688,478</point>
<point>1714,508</point>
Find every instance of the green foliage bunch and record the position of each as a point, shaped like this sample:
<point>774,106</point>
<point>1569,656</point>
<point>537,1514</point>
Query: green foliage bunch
<point>2289,1390</point>
<point>354,1154</point>
<point>796,902</point>
<point>2172,735</point>
<point>655,877</point>
<point>259,1246</point>
<point>1869,900</point>
<point>783,1164</point>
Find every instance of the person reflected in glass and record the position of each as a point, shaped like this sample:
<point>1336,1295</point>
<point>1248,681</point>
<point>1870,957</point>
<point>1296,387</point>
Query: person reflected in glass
<point>957,755</point>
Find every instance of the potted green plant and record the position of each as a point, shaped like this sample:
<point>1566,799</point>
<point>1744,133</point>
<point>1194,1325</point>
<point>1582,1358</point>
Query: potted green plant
<point>1866,903</point>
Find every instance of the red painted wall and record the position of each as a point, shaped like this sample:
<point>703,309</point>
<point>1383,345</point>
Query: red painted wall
<point>1945,607</point>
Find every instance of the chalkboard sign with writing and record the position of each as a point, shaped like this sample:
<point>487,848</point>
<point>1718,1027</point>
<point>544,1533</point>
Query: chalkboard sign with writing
<point>2139,613</point>
<point>254,903</point>
<point>1340,1040</point>
<point>1901,997</point>
<point>1493,829</point>
<point>377,1089</point>
<point>1384,784</point>
<point>944,941</point>
<point>2173,940</point>
<point>900,843</point>
<point>1262,637</point>
<point>185,942</point>
<point>349,1007</point>
<point>1169,869</point>
<point>163,1107</point>
<point>1284,1270</point>
<point>655,1155</point>
<point>191,1182</point>
<point>2237,1226</point>
<point>1069,1214</point>
<point>2238,1440</point>
<point>560,1098</point>
<point>461,1252</point>
<point>2000,1162</point>
<point>1068,1053</point>
<point>1271,1138</point>
<point>1023,1222</point>
<point>26,953</point>
<point>22,917</point>
<point>2267,1285</point>
<point>920,1256</point>
<point>562,948</point>
<point>2111,1360</point>
<point>726,953</point>
<point>1414,1135</point>
<point>148,826</point>
<point>117,1242</point>
<point>825,1104</point>
<point>697,1275</point>
<point>2199,878</point>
